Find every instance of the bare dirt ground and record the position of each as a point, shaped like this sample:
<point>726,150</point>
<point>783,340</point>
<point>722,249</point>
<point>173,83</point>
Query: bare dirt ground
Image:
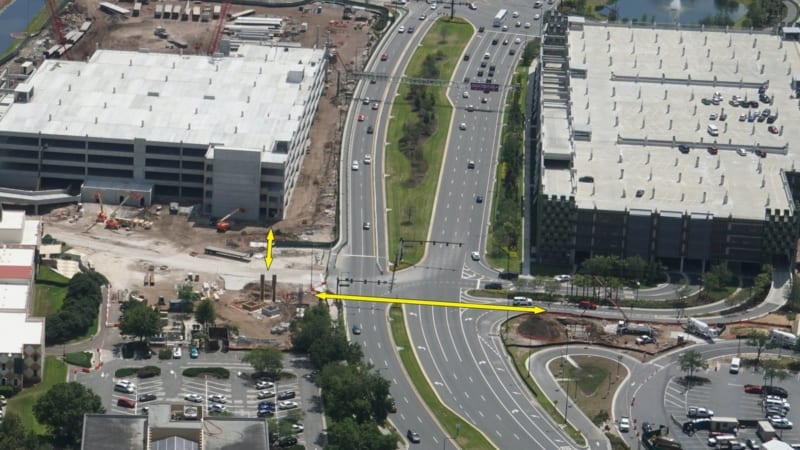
<point>311,214</point>
<point>175,245</point>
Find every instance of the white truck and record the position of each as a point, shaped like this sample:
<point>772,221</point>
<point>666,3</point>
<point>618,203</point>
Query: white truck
<point>700,328</point>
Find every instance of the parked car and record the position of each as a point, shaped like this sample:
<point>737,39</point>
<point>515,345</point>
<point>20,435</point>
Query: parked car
<point>780,422</point>
<point>266,405</point>
<point>563,278</point>
<point>699,413</point>
<point>195,398</point>
<point>287,405</point>
<point>286,395</point>
<point>217,398</point>
<point>683,148</point>
<point>216,408</point>
<point>287,441</point>
<point>776,390</point>
<point>176,353</point>
<point>126,402</point>
<point>148,397</point>
<point>713,150</point>
<point>265,394</point>
<point>297,427</point>
<point>194,353</point>
<point>644,339</point>
<point>753,388</point>
<point>264,385</point>
<point>126,388</point>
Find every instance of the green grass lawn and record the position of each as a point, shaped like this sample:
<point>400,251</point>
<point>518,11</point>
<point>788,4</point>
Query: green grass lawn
<point>411,207</point>
<point>51,288</point>
<point>468,436</point>
<point>55,372</point>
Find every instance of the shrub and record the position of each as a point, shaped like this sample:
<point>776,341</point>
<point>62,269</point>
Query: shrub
<point>125,372</point>
<point>216,372</point>
<point>165,354</point>
<point>148,372</point>
<point>81,359</point>
<point>8,391</point>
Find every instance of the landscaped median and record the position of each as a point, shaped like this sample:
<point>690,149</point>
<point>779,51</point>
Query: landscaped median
<point>468,437</point>
<point>417,137</point>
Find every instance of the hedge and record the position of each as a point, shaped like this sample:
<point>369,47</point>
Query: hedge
<point>216,372</point>
<point>81,359</point>
<point>141,372</point>
<point>165,354</point>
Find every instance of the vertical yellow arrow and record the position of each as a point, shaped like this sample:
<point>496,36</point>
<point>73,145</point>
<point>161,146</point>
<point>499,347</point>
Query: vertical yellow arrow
<point>268,255</point>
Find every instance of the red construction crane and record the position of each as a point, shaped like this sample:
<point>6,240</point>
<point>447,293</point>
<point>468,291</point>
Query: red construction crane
<point>223,225</point>
<point>223,15</point>
<point>55,23</point>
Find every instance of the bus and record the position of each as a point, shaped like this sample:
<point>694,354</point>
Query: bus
<point>500,17</point>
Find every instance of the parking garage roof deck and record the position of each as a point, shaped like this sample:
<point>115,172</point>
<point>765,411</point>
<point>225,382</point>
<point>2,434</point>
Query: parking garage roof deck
<point>641,97</point>
<point>242,101</point>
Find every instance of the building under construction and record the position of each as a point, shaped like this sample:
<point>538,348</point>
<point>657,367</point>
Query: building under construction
<point>224,132</point>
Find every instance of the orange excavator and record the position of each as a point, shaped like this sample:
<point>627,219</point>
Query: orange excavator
<point>223,225</point>
<point>112,223</point>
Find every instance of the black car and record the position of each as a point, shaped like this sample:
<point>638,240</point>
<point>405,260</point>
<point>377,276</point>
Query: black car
<point>494,41</point>
<point>480,73</point>
<point>776,390</point>
<point>483,63</point>
<point>370,129</point>
<point>413,436</point>
<point>508,275</point>
<point>356,329</point>
<point>706,101</point>
<point>684,148</point>
<point>493,285</point>
<point>149,397</point>
<point>481,29</point>
<point>287,441</point>
<point>479,199</point>
<point>285,395</point>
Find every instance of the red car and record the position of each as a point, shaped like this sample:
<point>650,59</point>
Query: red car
<point>753,388</point>
<point>773,129</point>
<point>761,153</point>
<point>712,150</point>
<point>126,402</point>
<point>586,304</point>
<point>360,117</point>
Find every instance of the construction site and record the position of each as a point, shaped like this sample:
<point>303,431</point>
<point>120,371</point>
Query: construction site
<point>148,248</point>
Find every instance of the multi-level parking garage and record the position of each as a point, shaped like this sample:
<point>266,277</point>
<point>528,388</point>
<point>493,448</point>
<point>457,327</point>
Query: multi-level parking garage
<point>642,145</point>
<point>226,132</point>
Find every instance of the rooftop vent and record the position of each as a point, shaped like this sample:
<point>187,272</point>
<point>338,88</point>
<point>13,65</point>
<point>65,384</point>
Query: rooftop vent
<point>152,94</point>
<point>208,97</point>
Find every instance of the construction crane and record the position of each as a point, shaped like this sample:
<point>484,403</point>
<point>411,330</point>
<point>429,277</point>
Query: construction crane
<point>223,225</point>
<point>223,15</point>
<point>101,216</point>
<point>112,223</point>
<point>55,23</point>
<point>600,281</point>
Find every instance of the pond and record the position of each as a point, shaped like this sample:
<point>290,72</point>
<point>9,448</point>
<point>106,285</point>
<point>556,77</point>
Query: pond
<point>14,19</point>
<point>682,11</point>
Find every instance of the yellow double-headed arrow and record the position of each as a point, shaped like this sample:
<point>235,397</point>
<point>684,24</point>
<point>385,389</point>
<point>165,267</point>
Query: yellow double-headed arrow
<point>415,301</point>
<point>268,254</point>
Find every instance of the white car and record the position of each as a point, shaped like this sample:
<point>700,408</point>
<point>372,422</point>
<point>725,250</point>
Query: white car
<point>527,25</point>
<point>297,427</point>
<point>354,166</point>
<point>367,159</point>
<point>462,126</point>
<point>264,385</point>
<point>216,408</point>
<point>176,353</point>
<point>624,424</point>
<point>473,6</point>
<point>475,256</point>
<point>196,398</point>
<point>505,28</point>
<point>562,278</point>
<point>741,152</point>
<point>217,398</point>
<point>515,14</point>
<point>465,94</point>
<point>375,106</point>
<point>517,40</point>
<point>265,394</point>
<point>423,17</point>
<point>402,29</point>
<point>433,5</point>
<point>780,422</point>
<point>287,405</point>
<point>537,17</point>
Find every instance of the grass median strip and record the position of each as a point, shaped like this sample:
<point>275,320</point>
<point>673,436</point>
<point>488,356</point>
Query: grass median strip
<point>417,137</point>
<point>468,436</point>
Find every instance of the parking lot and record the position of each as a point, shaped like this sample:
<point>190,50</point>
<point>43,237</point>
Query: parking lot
<point>725,396</point>
<point>239,390</point>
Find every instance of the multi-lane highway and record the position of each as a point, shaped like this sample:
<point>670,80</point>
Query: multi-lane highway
<point>459,350</point>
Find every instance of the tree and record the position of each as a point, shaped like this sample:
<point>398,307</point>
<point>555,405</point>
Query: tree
<point>758,340</point>
<point>354,391</point>
<point>61,410</point>
<point>347,434</point>
<point>691,361</point>
<point>793,295</point>
<point>13,434</point>
<point>186,292</point>
<point>139,320</point>
<point>772,370</point>
<point>316,322</point>
<point>266,360</point>
<point>551,287</point>
<point>205,312</point>
<point>717,277</point>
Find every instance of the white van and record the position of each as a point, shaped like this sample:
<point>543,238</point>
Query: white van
<point>735,364</point>
<point>487,55</point>
<point>713,130</point>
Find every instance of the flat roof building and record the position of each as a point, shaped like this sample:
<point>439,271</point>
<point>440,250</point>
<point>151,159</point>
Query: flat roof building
<point>642,146</point>
<point>226,132</point>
